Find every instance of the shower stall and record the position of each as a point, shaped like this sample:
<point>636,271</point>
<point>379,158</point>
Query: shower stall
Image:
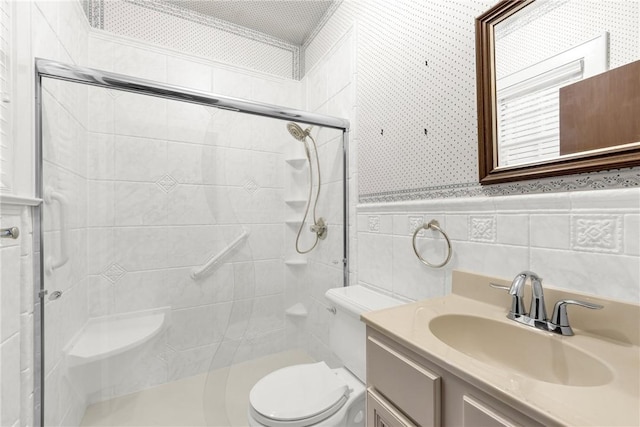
<point>170,275</point>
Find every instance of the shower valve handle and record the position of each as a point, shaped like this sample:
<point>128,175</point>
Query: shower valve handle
<point>320,228</point>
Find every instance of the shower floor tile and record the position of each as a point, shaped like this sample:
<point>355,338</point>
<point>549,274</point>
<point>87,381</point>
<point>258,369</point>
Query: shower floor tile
<point>217,398</point>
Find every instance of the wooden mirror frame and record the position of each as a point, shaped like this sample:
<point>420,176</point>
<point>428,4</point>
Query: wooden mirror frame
<point>489,173</point>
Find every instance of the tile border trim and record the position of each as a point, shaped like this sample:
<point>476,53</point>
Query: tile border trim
<point>623,178</point>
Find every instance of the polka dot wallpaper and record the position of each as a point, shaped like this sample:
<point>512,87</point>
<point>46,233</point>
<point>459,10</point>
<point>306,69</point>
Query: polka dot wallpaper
<point>416,91</point>
<point>416,94</point>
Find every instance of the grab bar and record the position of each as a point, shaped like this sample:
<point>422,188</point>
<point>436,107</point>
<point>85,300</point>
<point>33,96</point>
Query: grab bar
<point>197,273</point>
<point>51,263</point>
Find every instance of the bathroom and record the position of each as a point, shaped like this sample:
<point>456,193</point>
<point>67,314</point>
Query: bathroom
<point>403,73</point>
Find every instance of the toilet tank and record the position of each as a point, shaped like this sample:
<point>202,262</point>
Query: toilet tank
<point>347,334</point>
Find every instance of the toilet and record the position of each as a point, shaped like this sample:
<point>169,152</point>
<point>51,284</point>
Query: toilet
<point>314,394</point>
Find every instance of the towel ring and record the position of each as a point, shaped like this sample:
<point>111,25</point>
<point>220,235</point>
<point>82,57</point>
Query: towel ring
<point>436,226</point>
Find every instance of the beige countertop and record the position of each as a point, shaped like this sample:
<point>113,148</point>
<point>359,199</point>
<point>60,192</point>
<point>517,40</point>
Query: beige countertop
<point>611,336</point>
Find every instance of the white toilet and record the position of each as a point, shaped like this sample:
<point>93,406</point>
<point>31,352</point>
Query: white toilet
<point>313,394</point>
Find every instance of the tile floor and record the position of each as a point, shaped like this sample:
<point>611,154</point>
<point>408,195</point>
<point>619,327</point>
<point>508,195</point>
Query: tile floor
<point>216,398</point>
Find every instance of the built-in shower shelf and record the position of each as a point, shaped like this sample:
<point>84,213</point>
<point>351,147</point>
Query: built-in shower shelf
<point>297,310</point>
<point>296,262</point>
<point>295,202</point>
<point>296,162</point>
<point>108,336</point>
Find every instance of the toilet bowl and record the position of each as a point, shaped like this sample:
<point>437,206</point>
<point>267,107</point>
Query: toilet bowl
<point>314,394</point>
<point>306,395</point>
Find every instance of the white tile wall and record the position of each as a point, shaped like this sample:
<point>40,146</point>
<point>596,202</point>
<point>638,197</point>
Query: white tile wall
<point>581,241</point>
<point>145,161</point>
<point>10,336</point>
<point>330,89</point>
<point>54,30</point>
<point>169,185</point>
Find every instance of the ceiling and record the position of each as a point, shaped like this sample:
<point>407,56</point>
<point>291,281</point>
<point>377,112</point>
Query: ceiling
<point>289,20</point>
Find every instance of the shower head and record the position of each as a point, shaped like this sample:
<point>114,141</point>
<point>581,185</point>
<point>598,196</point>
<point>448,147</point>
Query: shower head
<point>297,132</point>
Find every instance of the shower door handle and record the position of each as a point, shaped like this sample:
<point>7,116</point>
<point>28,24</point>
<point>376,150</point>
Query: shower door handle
<point>53,263</point>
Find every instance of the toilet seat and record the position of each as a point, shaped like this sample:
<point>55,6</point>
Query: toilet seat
<point>299,395</point>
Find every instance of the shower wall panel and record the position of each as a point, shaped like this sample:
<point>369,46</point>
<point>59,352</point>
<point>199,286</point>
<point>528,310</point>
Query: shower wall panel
<point>175,184</point>
<point>329,89</point>
<point>170,185</point>
<point>56,30</point>
<point>64,240</point>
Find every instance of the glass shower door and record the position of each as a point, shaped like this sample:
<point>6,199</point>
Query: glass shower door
<point>168,248</point>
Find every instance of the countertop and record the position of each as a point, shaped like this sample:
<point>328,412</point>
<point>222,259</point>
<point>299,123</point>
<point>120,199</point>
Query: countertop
<point>611,336</point>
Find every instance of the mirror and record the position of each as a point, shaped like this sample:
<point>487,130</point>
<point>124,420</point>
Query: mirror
<point>540,60</point>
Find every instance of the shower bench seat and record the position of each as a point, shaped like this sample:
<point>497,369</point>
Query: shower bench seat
<point>104,337</point>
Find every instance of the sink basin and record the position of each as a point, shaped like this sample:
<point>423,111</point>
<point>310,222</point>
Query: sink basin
<point>531,353</point>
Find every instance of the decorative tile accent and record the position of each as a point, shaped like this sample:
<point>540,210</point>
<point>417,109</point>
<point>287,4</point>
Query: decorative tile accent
<point>597,233</point>
<point>624,178</point>
<point>251,186</point>
<point>482,228</point>
<point>374,223</point>
<point>94,10</point>
<point>114,93</point>
<point>113,273</point>
<point>414,223</point>
<point>167,183</point>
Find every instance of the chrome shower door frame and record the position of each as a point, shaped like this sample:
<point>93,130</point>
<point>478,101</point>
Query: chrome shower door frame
<point>89,76</point>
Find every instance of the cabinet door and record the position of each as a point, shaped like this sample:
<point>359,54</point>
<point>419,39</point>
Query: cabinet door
<point>381,413</point>
<point>477,414</point>
<point>404,383</point>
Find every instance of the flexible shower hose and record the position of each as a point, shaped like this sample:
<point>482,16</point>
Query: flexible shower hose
<point>315,203</point>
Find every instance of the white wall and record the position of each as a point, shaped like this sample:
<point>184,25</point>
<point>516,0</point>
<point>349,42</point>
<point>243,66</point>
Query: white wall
<point>16,325</point>
<point>578,238</point>
<point>253,184</point>
<point>64,237</point>
<point>54,30</point>
<point>583,241</point>
<point>330,89</point>
<point>170,185</point>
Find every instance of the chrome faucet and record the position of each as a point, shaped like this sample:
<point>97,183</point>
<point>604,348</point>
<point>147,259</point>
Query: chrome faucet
<point>537,316</point>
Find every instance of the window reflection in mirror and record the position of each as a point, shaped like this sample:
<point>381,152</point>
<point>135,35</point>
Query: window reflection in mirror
<point>534,51</point>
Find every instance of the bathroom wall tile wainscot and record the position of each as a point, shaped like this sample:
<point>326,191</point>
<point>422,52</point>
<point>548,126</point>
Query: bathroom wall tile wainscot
<point>578,241</point>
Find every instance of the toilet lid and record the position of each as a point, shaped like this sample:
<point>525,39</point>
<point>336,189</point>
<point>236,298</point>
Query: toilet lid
<point>300,391</point>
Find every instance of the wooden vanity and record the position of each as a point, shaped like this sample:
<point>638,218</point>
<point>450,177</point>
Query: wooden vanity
<point>406,389</point>
<point>413,378</point>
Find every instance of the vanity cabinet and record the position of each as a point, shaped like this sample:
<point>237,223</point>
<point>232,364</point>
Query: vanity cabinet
<point>406,389</point>
<point>380,413</point>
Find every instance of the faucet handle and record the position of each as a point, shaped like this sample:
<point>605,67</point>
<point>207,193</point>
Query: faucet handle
<point>517,301</point>
<point>497,286</point>
<point>560,319</point>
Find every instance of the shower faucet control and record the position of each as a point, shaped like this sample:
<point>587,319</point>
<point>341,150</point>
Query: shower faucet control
<point>537,316</point>
<point>320,228</point>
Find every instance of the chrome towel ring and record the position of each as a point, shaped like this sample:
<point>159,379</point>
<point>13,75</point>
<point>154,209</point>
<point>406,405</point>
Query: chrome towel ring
<point>436,226</point>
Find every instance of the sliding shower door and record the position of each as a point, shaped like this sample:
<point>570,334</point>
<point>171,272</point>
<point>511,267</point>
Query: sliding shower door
<point>168,243</point>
